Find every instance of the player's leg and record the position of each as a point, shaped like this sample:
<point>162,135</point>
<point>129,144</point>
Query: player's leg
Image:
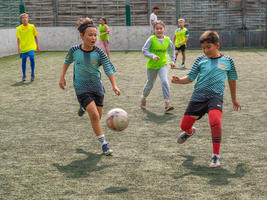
<point>94,107</point>
<point>163,74</point>
<point>23,65</point>
<point>31,56</point>
<point>183,55</point>
<point>101,44</point>
<point>106,45</point>
<point>194,111</point>
<point>187,127</point>
<point>176,53</point>
<point>215,117</point>
<point>151,78</point>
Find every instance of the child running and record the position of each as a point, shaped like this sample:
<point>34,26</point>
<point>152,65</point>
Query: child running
<point>155,50</point>
<point>211,69</point>
<point>87,77</point>
<point>26,34</point>
<point>104,35</point>
<point>180,39</point>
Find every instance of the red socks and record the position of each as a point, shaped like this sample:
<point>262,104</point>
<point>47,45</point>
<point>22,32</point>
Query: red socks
<point>187,123</point>
<point>215,117</point>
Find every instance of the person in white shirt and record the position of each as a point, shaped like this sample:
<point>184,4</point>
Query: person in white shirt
<point>153,18</point>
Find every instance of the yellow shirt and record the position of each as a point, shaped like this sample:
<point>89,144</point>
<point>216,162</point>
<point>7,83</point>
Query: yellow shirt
<point>26,35</point>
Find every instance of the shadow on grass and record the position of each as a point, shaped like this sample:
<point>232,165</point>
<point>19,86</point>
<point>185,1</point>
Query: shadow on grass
<point>21,83</point>
<point>116,190</point>
<point>158,118</point>
<point>218,176</point>
<point>82,168</point>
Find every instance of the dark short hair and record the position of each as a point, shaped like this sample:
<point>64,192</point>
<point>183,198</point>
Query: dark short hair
<point>210,37</point>
<point>155,8</point>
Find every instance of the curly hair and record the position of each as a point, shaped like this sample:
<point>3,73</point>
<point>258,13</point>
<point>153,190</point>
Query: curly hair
<point>83,23</point>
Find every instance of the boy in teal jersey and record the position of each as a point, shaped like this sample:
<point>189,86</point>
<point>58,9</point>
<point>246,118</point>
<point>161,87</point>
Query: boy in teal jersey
<point>88,86</point>
<point>211,69</point>
<point>27,37</point>
<point>180,38</point>
<point>155,50</point>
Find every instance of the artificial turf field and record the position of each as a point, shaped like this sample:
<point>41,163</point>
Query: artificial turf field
<point>48,152</point>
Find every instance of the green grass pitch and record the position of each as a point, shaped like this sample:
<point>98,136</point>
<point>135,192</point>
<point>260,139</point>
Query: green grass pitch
<point>48,152</point>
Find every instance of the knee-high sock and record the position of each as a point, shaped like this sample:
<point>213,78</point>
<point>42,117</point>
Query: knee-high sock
<point>215,117</point>
<point>32,64</point>
<point>187,123</point>
<point>24,60</point>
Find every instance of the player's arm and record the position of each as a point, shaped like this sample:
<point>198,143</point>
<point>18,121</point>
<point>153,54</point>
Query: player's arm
<point>37,43</point>
<point>62,81</point>
<point>232,86</point>
<point>177,80</point>
<point>146,53</point>
<point>18,42</point>
<point>186,38</point>
<point>113,82</point>
<point>174,39</point>
<point>107,31</point>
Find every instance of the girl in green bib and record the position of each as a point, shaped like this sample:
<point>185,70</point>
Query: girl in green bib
<point>104,35</point>
<point>156,49</point>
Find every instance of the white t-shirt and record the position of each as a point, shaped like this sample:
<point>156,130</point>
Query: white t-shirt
<point>152,17</point>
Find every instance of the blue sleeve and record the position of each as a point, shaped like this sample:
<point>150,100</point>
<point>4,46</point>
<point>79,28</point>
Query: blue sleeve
<point>69,57</point>
<point>232,74</point>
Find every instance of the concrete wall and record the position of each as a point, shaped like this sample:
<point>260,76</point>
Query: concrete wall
<point>123,38</point>
<point>62,38</point>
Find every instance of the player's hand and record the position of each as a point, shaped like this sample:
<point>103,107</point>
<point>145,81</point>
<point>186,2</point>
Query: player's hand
<point>175,79</point>
<point>236,105</point>
<point>116,90</point>
<point>38,49</point>
<point>181,44</point>
<point>156,58</point>
<point>62,83</point>
<point>173,66</point>
<point>19,50</point>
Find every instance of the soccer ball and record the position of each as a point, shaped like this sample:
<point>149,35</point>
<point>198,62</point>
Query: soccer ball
<point>117,119</point>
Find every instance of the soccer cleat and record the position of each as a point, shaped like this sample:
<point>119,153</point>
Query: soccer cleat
<point>24,78</point>
<point>81,111</point>
<point>215,162</point>
<point>32,77</point>
<point>183,66</point>
<point>106,150</point>
<point>183,136</point>
<point>168,107</point>
<point>143,103</point>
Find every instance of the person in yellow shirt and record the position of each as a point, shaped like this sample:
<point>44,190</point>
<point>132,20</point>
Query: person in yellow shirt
<point>180,39</point>
<point>27,42</point>
<point>104,35</point>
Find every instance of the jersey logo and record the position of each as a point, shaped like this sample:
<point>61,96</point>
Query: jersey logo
<point>159,50</point>
<point>222,66</point>
<point>67,56</point>
<point>94,62</point>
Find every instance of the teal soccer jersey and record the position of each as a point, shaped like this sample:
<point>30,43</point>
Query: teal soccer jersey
<point>87,75</point>
<point>211,74</point>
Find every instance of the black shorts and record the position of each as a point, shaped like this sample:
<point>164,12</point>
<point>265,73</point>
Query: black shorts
<point>86,98</point>
<point>201,108</point>
<point>182,48</point>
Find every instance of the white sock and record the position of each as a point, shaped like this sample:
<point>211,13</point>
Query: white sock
<point>167,101</point>
<point>101,139</point>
